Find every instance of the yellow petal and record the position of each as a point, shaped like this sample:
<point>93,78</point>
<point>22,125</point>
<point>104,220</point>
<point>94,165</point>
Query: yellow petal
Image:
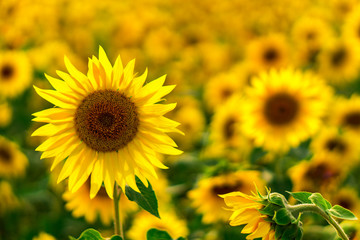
<point>51,129</point>
<point>96,177</point>
<point>56,98</point>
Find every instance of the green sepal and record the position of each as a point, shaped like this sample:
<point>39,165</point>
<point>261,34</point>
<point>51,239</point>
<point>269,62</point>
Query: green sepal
<point>302,197</point>
<point>277,199</point>
<point>116,237</point>
<point>90,234</point>
<point>279,230</point>
<point>282,217</point>
<point>299,234</point>
<point>342,213</point>
<point>290,232</point>
<point>145,199</point>
<point>269,209</point>
<point>320,201</point>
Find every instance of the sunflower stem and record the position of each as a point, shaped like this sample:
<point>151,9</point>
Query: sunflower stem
<point>295,209</point>
<point>117,218</point>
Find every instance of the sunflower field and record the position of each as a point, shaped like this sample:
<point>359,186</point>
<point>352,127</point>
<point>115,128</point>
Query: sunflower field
<point>173,119</point>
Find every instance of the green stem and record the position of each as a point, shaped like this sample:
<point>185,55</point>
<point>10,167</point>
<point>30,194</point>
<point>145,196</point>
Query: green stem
<point>117,219</point>
<point>295,209</point>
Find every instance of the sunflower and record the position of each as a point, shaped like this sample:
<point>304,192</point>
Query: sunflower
<point>226,135</point>
<point>342,8</point>
<point>339,61</point>
<point>80,204</point>
<point>44,236</point>
<point>346,113</point>
<point>348,198</point>
<point>351,27</point>
<point>169,222</point>
<point>12,161</point>
<point>317,175</point>
<point>5,114</point>
<point>8,200</point>
<point>15,73</point>
<point>205,197</point>
<point>107,125</point>
<point>283,108</point>
<point>268,52</point>
<point>343,148</point>
<point>246,211</point>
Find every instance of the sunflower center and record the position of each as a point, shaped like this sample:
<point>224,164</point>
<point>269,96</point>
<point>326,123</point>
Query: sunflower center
<point>336,145</point>
<point>281,109</point>
<point>321,174</point>
<point>346,203</point>
<point>271,55</point>
<point>352,119</point>
<point>7,72</point>
<point>106,120</point>
<point>310,36</point>
<point>226,93</point>
<point>338,57</point>
<point>5,155</point>
<point>229,128</point>
<point>226,188</point>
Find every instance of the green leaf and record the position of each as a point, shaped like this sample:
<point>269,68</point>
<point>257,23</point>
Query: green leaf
<point>269,209</point>
<point>145,199</point>
<point>180,238</point>
<point>72,238</point>
<point>256,154</point>
<point>342,213</point>
<point>155,234</point>
<point>277,199</point>
<point>302,197</point>
<point>90,234</point>
<point>299,234</point>
<point>116,237</point>
<point>282,217</point>
<point>320,201</point>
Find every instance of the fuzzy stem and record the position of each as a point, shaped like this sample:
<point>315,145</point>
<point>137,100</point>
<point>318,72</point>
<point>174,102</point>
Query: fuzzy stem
<point>117,219</point>
<point>295,209</point>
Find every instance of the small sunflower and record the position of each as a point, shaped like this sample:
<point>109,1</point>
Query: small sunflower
<point>346,113</point>
<point>317,175</point>
<point>12,161</point>
<point>339,61</point>
<point>80,204</point>
<point>205,198</point>
<point>351,27</point>
<point>283,108</point>
<point>44,236</point>
<point>106,124</point>
<point>169,222</point>
<point>5,114</point>
<point>343,148</point>
<point>268,52</point>
<point>15,73</point>
<point>8,200</point>
<point>348,198</point>
<point>246,212</point>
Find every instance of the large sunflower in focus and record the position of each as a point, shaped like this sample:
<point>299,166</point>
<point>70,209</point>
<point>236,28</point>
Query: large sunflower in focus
<point>284,108</point>
<point>106,124</point>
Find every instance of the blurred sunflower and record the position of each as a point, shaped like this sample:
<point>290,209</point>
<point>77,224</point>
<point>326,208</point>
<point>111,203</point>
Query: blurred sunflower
<point>15,73</point>
<point>346,113</point>
<point>283,108</point>
<point>106,124</point>
<point>44,236</point>
<point>343,148</point>
<point>348,198</point>
<point>351,27</point>
<point>342,8</point>
<point>12,161</point>
<point>205,197</point>
<point>317,175</point>
<point>169,222</point>
<point>80,204</point>
<point>8,200</point>
<point>5,114</point>
<point>220,88</point>
<point>268,52</point>
<point>339,61</point>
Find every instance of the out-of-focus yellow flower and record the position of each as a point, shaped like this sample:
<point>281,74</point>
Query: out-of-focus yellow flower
<point>8,201</point>
<point>44,236</point>
<point>169,222</point>
<point>12,161</point>
<point>15,73</point>
<point>351,27</point>
<point>348,198</point>
<point>5,114</point>
<point>246,212</point>
<point>317,175</point>
<point>80,204</point>
<point>268,52</point>
<point>346,113</point>
<point>342,8</point>
<point>205,197</point>
<point>283,108</point>
<point>339,61</point>
<point>342,148</point>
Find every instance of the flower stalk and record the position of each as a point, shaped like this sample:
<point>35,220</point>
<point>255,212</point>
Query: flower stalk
<point>296,209</point>
<point>118,229</point>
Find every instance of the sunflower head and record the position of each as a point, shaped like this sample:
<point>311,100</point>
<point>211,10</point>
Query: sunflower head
<point>107,124</point>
